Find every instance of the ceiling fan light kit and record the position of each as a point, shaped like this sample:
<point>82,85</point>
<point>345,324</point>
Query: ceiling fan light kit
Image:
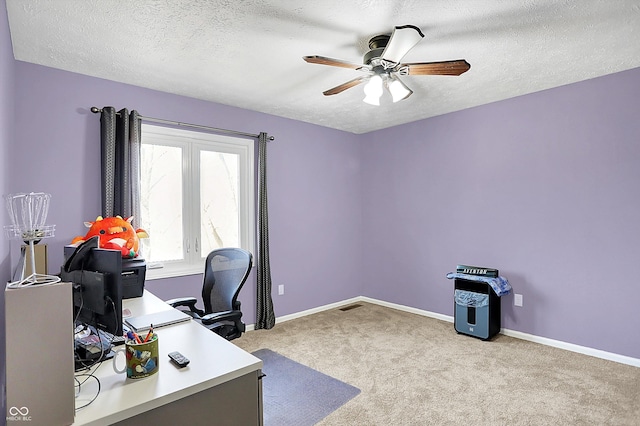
<point>382,66</point>
<point>397,88</point>
<point>373,90</point>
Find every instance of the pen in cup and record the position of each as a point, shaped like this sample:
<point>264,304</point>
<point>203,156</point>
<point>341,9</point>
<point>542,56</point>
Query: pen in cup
<point>134,337</point>
<point>149,334</point>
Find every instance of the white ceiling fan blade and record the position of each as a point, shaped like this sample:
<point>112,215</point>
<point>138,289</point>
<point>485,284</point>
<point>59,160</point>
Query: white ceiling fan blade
<point>402,40</point>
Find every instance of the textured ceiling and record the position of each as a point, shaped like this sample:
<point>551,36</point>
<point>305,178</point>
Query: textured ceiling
<point>249,53</point>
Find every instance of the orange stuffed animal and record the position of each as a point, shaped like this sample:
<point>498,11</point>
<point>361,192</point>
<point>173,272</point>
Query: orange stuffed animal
<point>114,233</point>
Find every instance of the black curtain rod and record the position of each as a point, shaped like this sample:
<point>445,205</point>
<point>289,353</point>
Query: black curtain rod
<point>97,110</point>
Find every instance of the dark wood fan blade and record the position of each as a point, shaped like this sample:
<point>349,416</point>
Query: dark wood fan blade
<point>438,68</point>
<point>344,86</point>
<point>315,59</point>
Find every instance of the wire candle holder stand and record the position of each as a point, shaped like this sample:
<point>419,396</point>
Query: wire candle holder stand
<point>28,213</point>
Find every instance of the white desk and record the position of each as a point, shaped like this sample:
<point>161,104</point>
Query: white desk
<point>220,386</point>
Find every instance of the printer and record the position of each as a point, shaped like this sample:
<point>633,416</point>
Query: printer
<point>132,275</point>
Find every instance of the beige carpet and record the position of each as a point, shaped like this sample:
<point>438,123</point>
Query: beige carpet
<point>415,370</point>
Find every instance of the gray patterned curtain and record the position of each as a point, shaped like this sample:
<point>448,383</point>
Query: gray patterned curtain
<point>120,148</point>
<point>265,317</point>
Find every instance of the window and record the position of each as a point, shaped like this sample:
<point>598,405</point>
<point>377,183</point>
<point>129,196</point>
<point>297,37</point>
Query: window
<point>197,194</point>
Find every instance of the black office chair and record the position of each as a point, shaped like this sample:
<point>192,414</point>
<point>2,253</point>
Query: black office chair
<point>225,272</point>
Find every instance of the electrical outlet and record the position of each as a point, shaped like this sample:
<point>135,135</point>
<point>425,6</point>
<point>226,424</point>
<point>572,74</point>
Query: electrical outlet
<point>517,299</point>
<point>280,289</point>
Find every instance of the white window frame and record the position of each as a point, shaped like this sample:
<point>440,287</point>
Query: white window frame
<point>193,141</point>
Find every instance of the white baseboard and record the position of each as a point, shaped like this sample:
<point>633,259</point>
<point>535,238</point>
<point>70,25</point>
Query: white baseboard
<point>251,327</point>
<point>409,309</point>
<point>623,359</point>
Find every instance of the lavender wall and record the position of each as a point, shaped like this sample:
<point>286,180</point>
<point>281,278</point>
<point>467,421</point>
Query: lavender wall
<point>6,138</point>
<point>314,184</point>
<point>543,187</point>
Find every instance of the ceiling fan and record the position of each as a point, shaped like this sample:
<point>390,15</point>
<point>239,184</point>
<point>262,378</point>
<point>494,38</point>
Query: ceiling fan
<point>381,65</point>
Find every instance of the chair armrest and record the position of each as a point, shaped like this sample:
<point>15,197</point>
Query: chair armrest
<point>210,319</point>
<point>189,302</point>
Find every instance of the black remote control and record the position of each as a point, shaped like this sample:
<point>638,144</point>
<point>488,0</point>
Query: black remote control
<point>178,359</point>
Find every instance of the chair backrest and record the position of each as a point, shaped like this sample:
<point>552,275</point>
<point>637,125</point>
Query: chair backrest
<point>225,272</point>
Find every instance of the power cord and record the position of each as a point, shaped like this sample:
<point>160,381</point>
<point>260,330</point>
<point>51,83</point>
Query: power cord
<point>81,377</point>
<point>79,383</point>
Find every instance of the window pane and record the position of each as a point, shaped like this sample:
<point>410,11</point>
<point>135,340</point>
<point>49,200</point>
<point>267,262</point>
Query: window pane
<point>161,202</point>
<point>219,195</point>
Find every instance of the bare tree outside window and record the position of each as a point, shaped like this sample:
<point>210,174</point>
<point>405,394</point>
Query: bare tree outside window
<point>219,198</point>
<point>161,201</point>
